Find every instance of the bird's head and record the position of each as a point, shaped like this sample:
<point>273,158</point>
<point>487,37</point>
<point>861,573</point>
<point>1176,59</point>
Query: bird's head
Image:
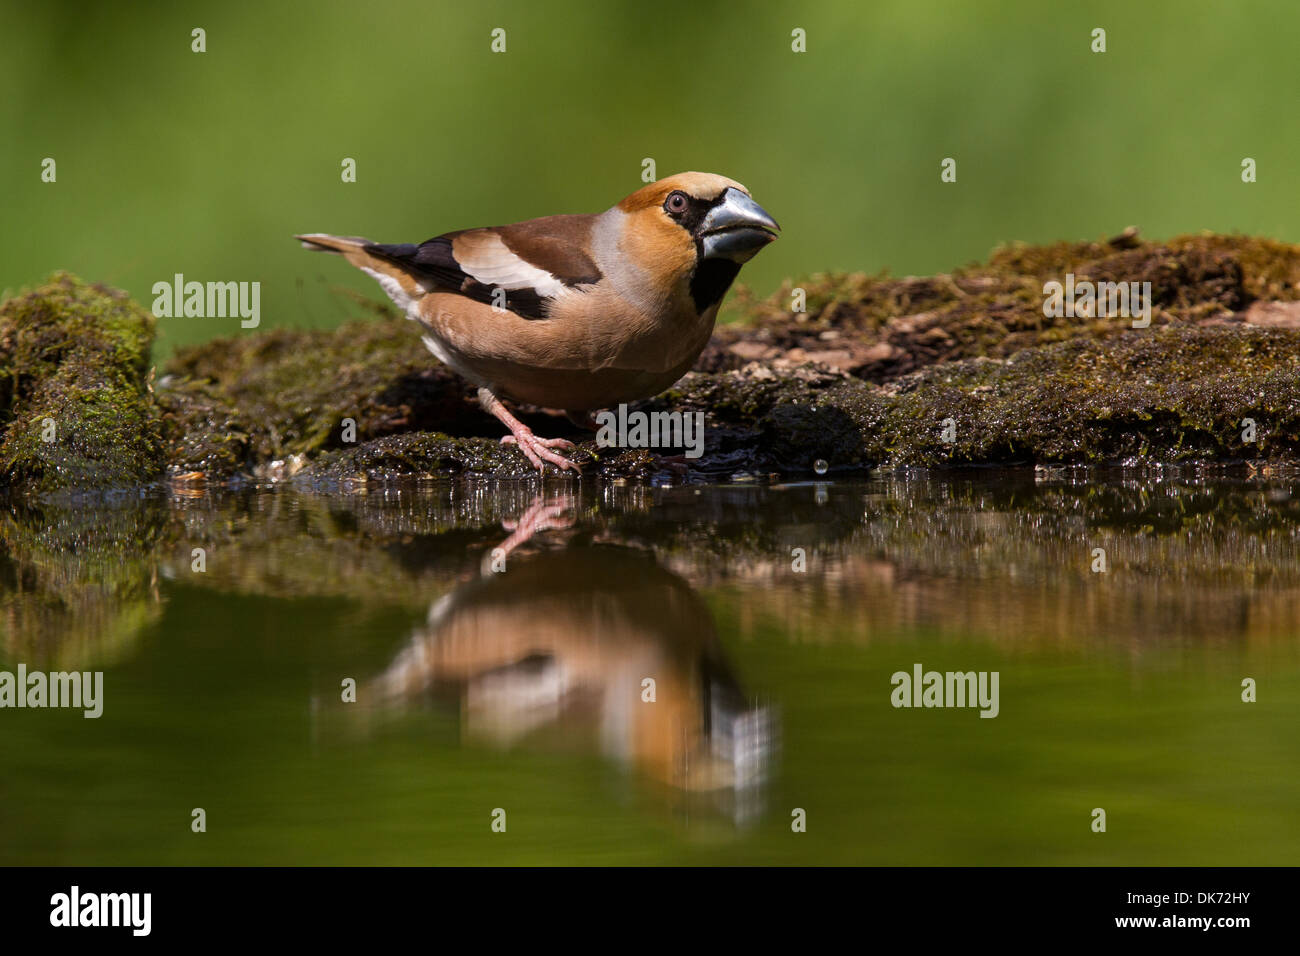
<point>700,226</point>
<point>715,213</point>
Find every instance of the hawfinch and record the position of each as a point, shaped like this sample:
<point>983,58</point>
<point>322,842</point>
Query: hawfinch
<point>574,312</point>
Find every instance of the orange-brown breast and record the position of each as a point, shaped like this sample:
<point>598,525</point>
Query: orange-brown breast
<point>590,355</point>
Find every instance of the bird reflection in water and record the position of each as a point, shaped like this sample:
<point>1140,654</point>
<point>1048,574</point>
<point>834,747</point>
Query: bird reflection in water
<point>602,644</point>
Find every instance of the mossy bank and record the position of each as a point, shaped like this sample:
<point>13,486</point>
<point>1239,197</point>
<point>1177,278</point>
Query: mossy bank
<point>953,370</point>
<point>76,404</point>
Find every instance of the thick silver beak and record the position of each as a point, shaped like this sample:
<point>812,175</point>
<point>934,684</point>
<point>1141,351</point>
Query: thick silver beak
<point>736,228</point>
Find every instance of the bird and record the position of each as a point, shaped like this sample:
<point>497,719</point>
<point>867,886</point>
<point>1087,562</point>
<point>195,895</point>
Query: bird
<point>574,312</point>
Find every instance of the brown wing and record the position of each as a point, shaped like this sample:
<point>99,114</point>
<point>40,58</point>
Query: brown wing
<point>531,262</point>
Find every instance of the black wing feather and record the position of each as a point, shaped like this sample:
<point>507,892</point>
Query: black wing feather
<point>434,260</point>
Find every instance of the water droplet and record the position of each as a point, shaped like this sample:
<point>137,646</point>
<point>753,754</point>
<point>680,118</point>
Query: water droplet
<point>820,466</point>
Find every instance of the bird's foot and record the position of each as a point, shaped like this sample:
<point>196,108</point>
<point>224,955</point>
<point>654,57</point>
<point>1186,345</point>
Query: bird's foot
<point>538,450</point>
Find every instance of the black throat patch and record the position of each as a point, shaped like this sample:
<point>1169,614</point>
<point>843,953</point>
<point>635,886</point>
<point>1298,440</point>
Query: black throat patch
<point>712,279</point>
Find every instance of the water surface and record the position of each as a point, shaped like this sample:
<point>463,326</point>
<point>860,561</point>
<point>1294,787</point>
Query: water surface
<point>501,636</point>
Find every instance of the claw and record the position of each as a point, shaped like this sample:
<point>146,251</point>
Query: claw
<point>548,442</point>
<point>538,450</point>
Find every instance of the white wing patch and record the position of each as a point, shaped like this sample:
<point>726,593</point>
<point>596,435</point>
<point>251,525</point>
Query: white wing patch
<point>490,261</point>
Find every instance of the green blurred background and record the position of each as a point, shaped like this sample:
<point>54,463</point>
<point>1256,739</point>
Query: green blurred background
<point>172,161</point>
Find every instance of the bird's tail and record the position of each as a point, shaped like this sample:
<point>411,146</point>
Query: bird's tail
<point>395,280</point>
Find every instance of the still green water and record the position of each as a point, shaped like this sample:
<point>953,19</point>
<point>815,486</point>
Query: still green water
<point>520,688</point>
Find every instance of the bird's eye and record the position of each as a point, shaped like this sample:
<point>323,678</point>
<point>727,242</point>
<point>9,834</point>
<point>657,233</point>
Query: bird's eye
<point>676,203</point>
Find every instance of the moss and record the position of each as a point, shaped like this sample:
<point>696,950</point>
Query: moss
<point>432,455</point>
<point>879,328</point>
<point>864,378</point>
<point>75,403</point>
<point>235,403</point>
<point>234,406</point>
<point>1177,394</point>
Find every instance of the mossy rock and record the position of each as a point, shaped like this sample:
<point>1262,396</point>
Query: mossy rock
<point>866,378</point>
<point>75,402</point>
<point>236,404</point>
<point>1176,394</point>
<point>274,405</point>
<point>879,327</point>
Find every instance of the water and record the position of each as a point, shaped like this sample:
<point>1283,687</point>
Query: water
<point>770,619</point>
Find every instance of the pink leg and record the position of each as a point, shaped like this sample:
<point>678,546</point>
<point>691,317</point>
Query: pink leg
<point>536,449</point>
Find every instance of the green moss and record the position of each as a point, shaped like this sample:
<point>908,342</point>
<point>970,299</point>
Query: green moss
<point>432,455</point>
<point>1177,394</point>
<point>879,327</point>
<point>75,403</point>
<point>233,404</point>
<point>864,378</point>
